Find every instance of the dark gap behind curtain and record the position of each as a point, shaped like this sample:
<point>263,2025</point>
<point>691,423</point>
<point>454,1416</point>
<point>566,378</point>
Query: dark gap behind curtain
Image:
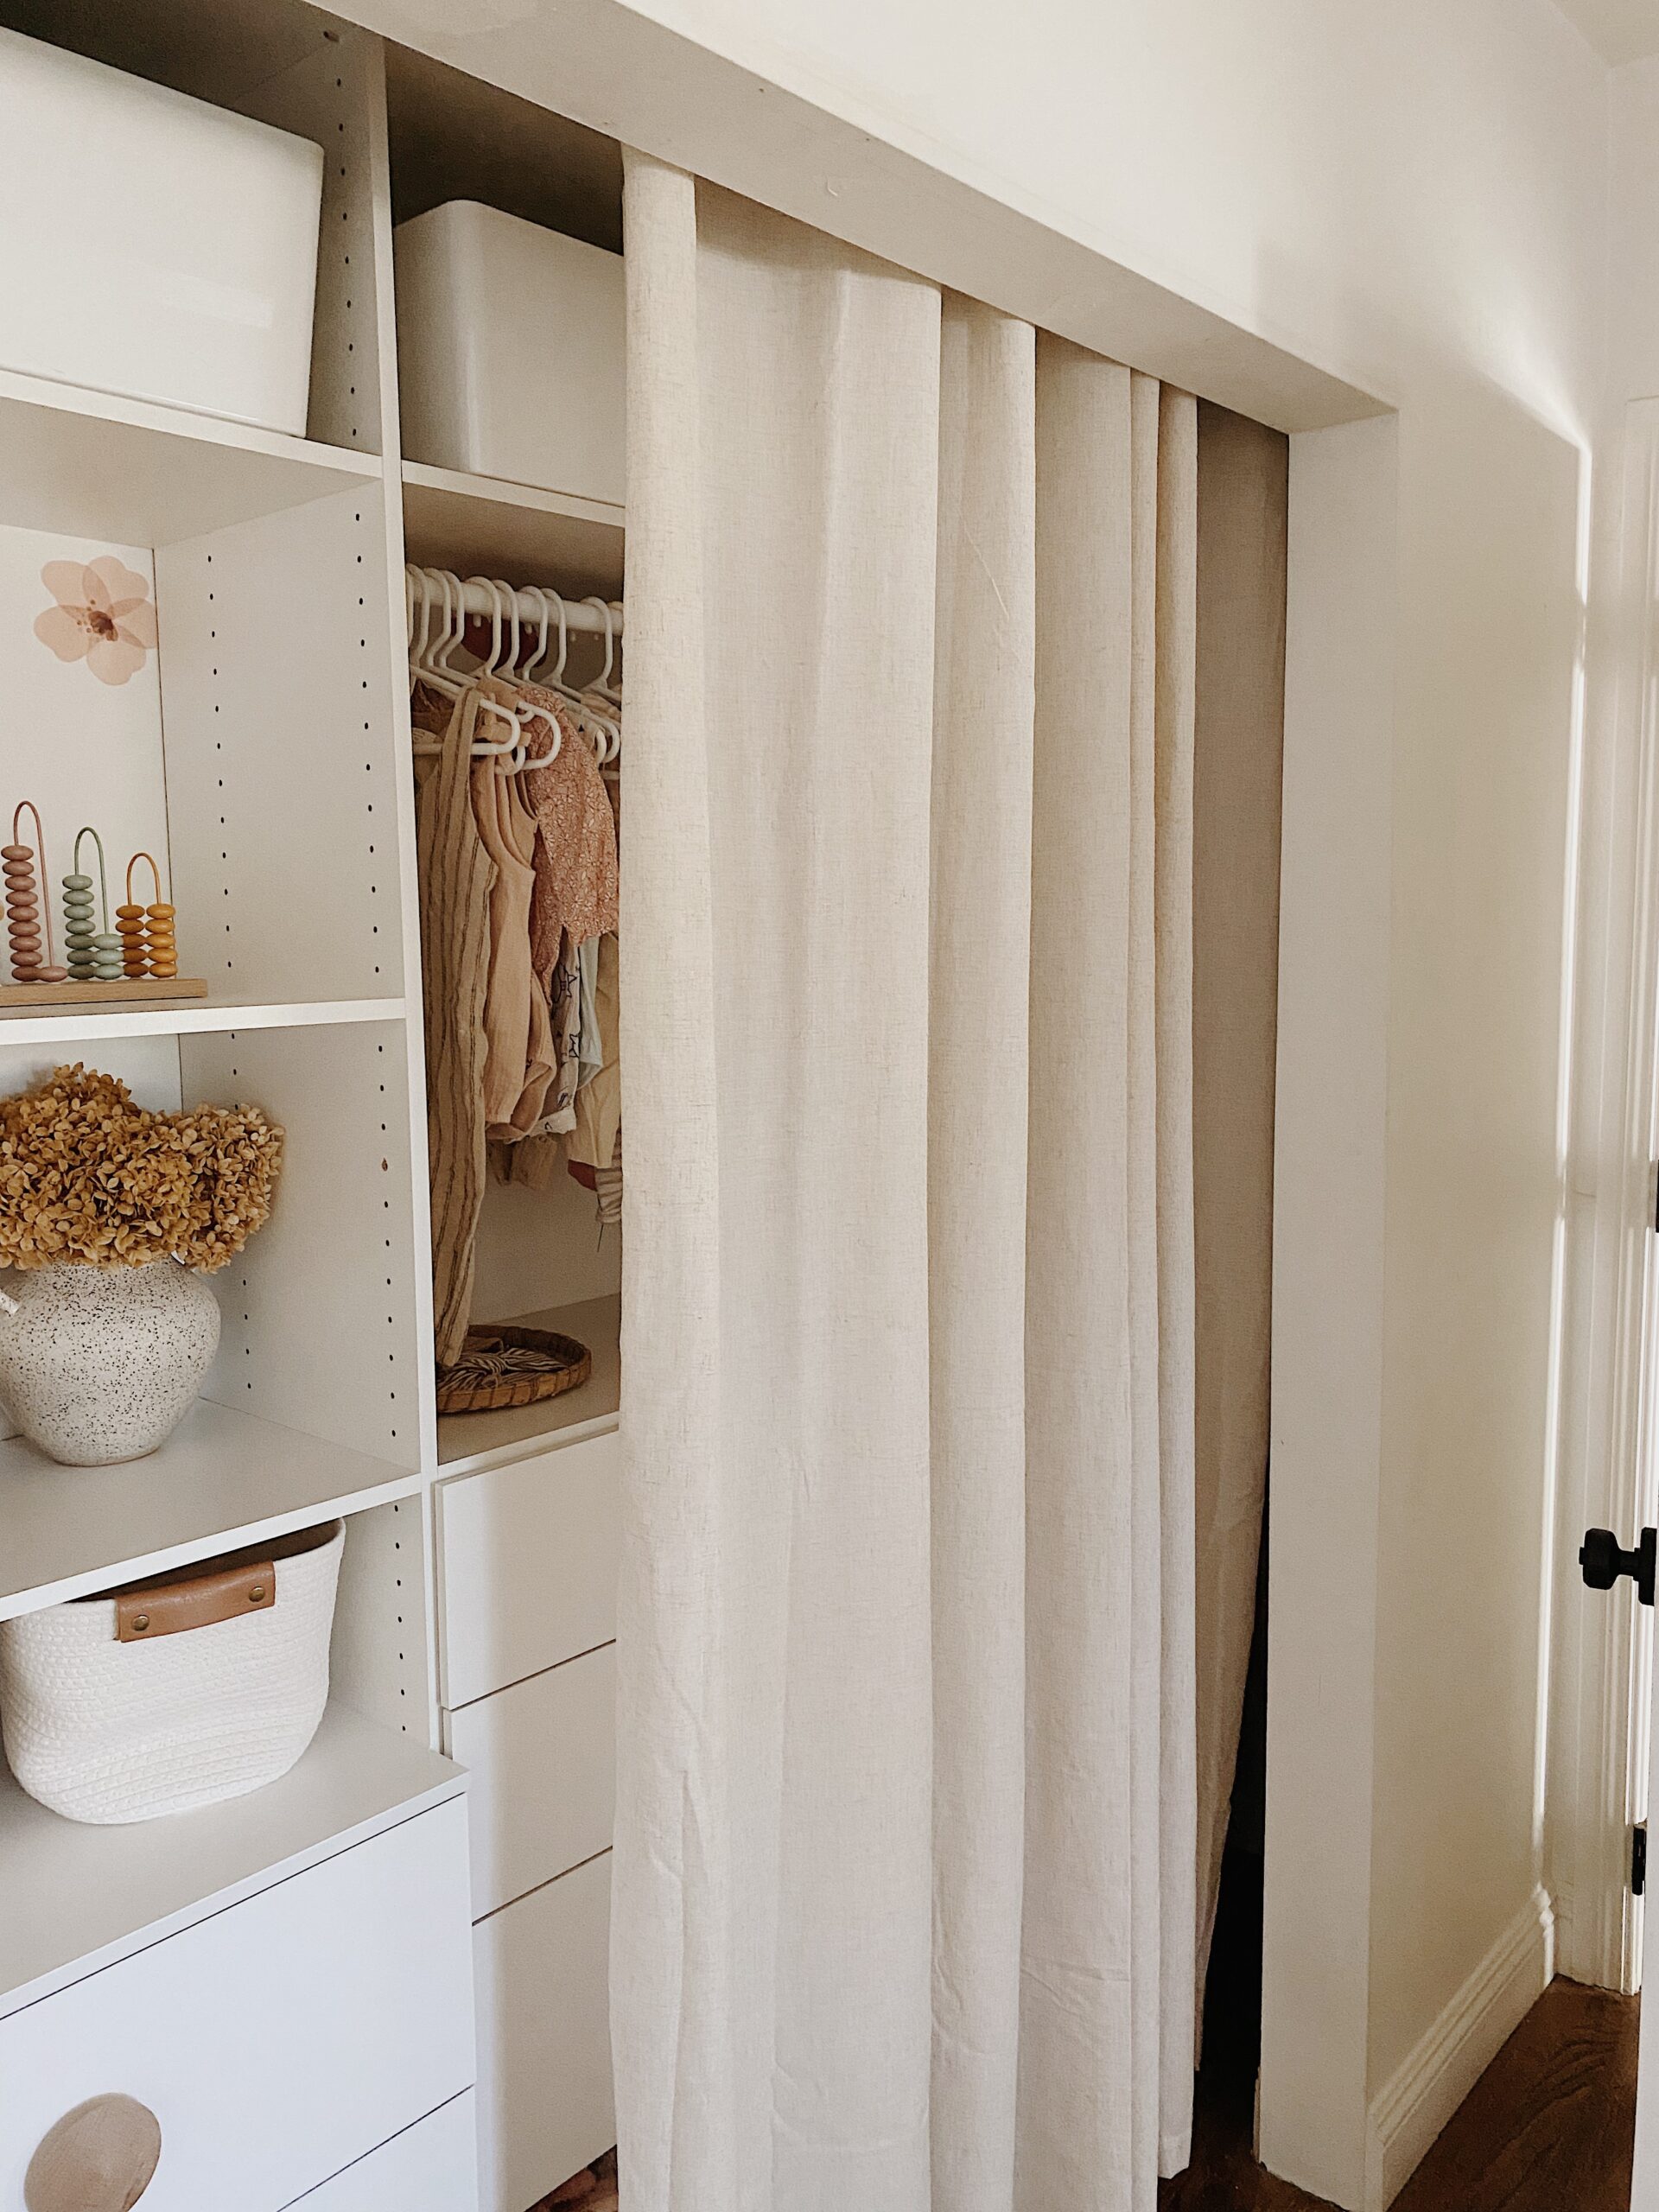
<point>1243,472</point>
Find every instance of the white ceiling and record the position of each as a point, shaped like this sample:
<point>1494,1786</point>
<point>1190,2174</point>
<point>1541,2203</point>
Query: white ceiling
<point>1623,30</point>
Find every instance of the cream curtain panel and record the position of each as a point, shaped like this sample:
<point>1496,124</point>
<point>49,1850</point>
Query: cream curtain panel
<point>905,1902</point>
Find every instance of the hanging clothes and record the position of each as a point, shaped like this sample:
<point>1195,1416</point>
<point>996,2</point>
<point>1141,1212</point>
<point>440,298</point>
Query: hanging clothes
<point>456,877</point>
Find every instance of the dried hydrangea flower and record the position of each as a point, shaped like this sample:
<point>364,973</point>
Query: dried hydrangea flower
<point>87,1175</point>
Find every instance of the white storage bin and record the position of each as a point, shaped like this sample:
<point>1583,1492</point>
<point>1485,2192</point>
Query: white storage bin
<point>173,1694</point>
<point>151,245</point>
<point>510,351</point>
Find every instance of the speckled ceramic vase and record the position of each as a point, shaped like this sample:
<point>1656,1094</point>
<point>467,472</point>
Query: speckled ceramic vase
<point>98,1364</point>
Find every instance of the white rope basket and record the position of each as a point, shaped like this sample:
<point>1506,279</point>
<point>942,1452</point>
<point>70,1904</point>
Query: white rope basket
<point>186,1713</point>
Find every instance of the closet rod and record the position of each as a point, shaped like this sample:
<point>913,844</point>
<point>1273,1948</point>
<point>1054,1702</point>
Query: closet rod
<point>579,615</point>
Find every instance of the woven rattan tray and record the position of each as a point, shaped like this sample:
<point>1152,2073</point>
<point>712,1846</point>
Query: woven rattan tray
<point>506,1367</point>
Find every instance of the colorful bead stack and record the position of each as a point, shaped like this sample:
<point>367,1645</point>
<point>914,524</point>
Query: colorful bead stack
<point>147,945</point>
<point>25,916</point>
<point>78,922</point>
<point>95,956</point>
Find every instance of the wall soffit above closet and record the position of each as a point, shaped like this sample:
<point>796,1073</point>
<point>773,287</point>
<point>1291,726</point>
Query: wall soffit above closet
<point>617,73</point>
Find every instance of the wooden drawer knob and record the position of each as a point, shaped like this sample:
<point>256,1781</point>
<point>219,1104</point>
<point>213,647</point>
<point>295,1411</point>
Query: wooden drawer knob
<point>99,2157</point>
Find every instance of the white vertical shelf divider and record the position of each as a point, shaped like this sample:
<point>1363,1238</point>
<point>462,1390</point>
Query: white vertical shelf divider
<point>385,1654</point>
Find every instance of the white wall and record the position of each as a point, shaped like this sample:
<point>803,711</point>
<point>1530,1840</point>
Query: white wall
<point>1412,196</point>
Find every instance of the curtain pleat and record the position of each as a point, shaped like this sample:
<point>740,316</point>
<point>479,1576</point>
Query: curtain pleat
<point>1081,2094</point>
<point>905,1887</point>
<point>675,2001</point>
<point>1177,558</point>
<point>983,647</point>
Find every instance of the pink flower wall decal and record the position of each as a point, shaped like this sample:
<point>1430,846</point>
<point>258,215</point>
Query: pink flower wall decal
<point>103,616</point>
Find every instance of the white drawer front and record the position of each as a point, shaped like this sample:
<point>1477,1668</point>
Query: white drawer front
<point>530,1556</point>
<point>543,1758</point>
<point>545,2103</point>
<point>431,2167</point>
<point>275,2042</point>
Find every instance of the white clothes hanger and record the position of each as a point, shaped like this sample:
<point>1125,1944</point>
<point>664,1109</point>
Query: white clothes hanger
<point>600,730</point>
<point>602,683</point>
<point>535,592</point>
<point>430,664</point>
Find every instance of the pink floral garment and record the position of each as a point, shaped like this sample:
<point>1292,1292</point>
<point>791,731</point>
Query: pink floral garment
<point>103,616</point>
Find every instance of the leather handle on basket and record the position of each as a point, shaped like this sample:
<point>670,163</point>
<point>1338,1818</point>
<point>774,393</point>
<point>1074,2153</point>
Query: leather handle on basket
<point>171,1608</point>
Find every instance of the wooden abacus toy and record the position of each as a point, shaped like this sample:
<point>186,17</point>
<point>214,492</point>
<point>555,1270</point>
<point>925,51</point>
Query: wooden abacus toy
<point>28,909</point>
<point>137,960</point>
<point>147,945</point>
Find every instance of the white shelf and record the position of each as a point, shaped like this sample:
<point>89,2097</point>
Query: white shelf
<point>81,1898</point>
<point>72,1024</point>
<point>483,526</point>
<point>468,1442</point>
<point>90,465</point>
<point>222,1480</point>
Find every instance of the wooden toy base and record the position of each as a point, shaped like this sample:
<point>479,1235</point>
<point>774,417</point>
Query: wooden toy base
<point>125,990</point>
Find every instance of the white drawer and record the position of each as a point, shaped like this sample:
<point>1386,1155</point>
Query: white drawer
<point>431,2167</point>
<point>545,2103</point>
<point>275,2041</point>
<point>530,1556</point>
<point>543,1758</point>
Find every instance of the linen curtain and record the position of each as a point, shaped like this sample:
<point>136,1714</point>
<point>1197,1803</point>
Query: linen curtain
<point>905,1882</point>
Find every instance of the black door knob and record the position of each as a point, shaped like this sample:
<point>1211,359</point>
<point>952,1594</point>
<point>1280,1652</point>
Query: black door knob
<point>1603,1561</point>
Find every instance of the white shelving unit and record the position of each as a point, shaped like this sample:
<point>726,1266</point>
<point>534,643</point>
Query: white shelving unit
<point>195,1018</point>
<point>284,791</point>
<point>226,1480</point>
<point>290,848</point>
<point>92,1892</point>
<point>93,465</point>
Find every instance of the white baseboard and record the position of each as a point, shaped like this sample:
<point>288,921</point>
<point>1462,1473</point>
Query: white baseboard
<point>1435,2077</point>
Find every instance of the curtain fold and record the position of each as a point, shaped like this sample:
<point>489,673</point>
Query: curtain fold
<point>906,1866</point>
<point>984,645</point>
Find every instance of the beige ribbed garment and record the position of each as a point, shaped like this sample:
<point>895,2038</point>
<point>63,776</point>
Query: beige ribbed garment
<point>456,877</point>
<point>518,1058</point>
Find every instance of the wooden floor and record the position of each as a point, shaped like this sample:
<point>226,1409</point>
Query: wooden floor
<point>1548,2127</point>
